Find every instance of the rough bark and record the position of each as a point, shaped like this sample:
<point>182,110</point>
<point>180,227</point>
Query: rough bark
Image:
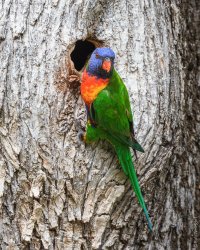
<point>58,194</point>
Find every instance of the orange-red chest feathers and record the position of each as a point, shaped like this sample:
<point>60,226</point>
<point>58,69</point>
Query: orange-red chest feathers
<point>91,86</point>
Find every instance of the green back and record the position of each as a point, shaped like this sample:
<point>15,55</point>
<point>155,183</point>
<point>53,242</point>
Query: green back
<point>113,111</point>
<point>115,101</point>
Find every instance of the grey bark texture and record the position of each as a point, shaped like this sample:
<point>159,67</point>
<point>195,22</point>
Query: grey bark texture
<point>58,194</point>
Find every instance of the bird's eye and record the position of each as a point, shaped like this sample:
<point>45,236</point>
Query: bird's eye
<point>97,56</point>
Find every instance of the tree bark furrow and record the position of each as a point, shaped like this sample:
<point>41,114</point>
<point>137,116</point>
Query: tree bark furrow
<point>56,193</point>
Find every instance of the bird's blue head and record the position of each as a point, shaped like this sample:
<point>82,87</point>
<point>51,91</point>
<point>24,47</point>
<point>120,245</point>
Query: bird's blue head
<point>101,63</point>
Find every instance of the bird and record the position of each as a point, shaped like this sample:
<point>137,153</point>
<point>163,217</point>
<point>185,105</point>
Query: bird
<point>109,115</point>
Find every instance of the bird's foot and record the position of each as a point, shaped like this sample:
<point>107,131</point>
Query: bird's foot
<point>82,136</point>
<point>81,132</point>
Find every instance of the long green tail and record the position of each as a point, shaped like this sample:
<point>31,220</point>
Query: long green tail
<point>125,159</point>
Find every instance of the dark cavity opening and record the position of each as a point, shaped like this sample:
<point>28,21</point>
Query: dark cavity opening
<point>81,53</point>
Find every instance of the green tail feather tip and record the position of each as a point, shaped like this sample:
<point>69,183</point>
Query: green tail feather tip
<point>138,147</point>
<point>150,226</point>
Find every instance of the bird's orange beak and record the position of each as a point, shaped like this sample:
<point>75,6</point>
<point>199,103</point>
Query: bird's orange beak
<point>106,64</point>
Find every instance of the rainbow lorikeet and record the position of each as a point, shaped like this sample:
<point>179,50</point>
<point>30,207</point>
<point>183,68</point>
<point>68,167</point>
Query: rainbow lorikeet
<point>109,113</point>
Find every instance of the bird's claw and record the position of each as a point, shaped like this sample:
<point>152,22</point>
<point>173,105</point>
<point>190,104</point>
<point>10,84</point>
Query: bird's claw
<point>81,131</point>
<point>81,136</point>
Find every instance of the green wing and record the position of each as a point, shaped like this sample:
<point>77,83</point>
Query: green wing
<point>112,112</point>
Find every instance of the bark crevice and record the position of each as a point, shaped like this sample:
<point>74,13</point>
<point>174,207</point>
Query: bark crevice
<point>57,194</point>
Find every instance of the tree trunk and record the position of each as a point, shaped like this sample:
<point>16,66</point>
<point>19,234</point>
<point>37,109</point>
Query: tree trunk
<point>58,194</point>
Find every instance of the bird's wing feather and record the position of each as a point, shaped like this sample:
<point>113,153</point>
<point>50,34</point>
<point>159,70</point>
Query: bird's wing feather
<point>112,112</point>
